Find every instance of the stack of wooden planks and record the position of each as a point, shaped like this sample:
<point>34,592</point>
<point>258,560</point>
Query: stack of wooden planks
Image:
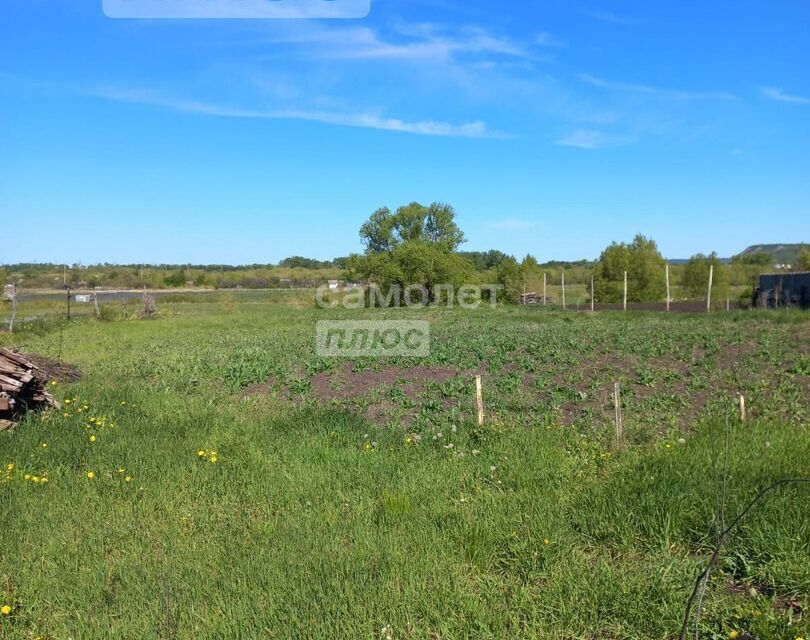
<point>23,386</point>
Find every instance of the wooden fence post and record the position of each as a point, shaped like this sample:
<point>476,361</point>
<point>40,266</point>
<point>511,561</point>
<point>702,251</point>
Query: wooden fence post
<point>479,399</point>
<point>544,289</point>
<point>563,289</point>
<point>95,304</point>
<point>13,308</point>
<point>592,294</point>
<point>667,276</point>
<point>742,408</point>
<point>68,303</point>
<point>617,405</point>
<point>624,302</point>
<point>709,292</point>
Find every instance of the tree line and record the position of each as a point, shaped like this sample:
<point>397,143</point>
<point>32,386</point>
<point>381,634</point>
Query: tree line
<point>418,244</point>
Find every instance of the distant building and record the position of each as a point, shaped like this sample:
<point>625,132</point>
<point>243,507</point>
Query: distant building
<point>81,297</point>
<point>783,290</point>
<point>333,285</point>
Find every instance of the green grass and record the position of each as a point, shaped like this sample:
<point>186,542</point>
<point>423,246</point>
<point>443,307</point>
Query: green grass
<point>316,521</point>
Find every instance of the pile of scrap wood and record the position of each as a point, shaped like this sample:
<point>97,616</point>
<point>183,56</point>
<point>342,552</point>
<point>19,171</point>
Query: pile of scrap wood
<point>23,386</point>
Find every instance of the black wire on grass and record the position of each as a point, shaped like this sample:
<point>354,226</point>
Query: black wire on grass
<point>721,540</point>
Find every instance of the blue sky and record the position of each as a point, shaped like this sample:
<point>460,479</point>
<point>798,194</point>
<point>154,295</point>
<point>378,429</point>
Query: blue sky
<point>552,127</point>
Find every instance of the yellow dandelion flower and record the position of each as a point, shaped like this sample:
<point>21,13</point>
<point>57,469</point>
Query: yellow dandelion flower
<point>213,458</point>
<point>43,480</point>
<point>27,476</point>
<point>121,470</point>
<point>5,609</point>
<point>10,466</point>
<point>67,400</point>
<point>128,479</point>
<point>123,403</point>
<point>546,541</point>
<point>35,479</point>
<point>201,453</point>
<point>53,383</point>
<point>90,475</point>
<point>44,445</point>
<point>92,438</point>
<point>733,634</point>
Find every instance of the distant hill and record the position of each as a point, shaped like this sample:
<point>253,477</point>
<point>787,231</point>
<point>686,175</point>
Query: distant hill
<point>780,253</point>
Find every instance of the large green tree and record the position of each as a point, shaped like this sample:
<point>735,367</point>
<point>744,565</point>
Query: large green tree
<point>434,224</point>
<point>412,247</point>
<point>696,276</point>
<point>645,268</point>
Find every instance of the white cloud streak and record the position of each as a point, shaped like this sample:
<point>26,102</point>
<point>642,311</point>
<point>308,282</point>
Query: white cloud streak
<point>643,89</point>
<point>593,139</point>
<point>610,17</point>
<point>780,96</point>
<point>425,43</point>
<point>360,120</point>
<point>545,39</point>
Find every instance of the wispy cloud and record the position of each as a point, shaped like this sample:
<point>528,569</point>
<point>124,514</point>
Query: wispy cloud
<point>779,95</point>
<point>365,120</point>
<point>593,139</point>
<point>608,16</point>
<point>545,39</point>
<point>513,224</point>
<point>667,94</point>
<point>423,42</point>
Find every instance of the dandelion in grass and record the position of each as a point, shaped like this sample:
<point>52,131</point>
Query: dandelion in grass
<point>44,445</point>
<point>205,454</point>
<point>10,466</point>
<point>546,541</point>
<point>92,438</point>
<point>5,609</point>
<point>734,634</point>
<point>90,475</point>
<point>27,476</point>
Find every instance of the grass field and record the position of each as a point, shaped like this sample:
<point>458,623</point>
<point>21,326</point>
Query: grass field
<point>211,477</point>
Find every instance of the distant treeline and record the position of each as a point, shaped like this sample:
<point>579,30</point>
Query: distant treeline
<point>295,271</point>
<point>300,271</point>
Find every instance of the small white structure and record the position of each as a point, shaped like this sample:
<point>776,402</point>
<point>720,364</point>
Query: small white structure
<point>81,297</point>
<point>8,292</point>
<point>333,285</point>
